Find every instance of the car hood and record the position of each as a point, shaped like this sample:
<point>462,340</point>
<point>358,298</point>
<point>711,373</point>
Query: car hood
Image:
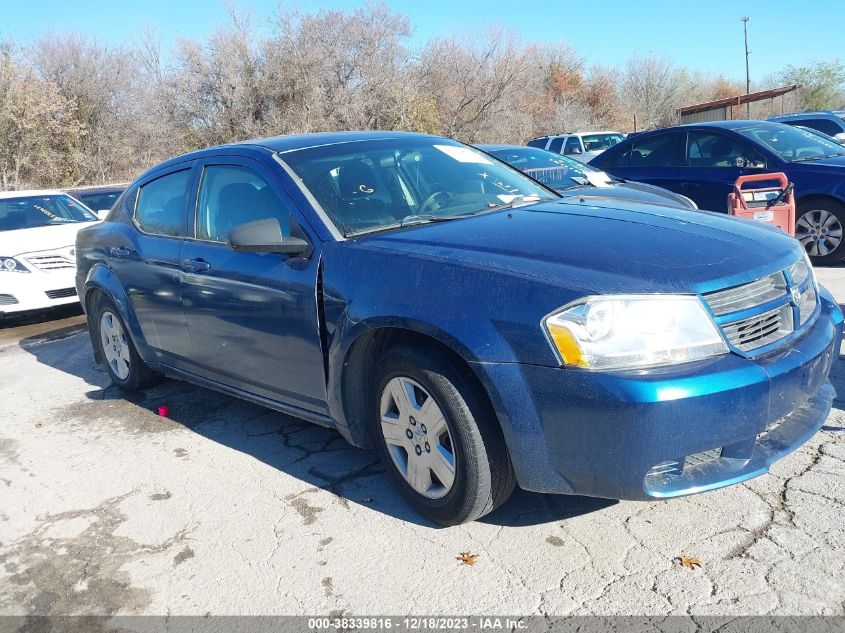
<point>627,190</point>
<point>604,246</point>
<point>42,238</point>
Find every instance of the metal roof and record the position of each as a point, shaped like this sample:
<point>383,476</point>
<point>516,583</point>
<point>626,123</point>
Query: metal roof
<point>737,100</point>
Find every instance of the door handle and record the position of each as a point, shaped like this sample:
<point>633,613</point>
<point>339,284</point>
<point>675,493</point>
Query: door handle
<point>689,185</point>
<point>197,265</point>
<point>119,252</point>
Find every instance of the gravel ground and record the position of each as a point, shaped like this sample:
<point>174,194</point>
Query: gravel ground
<point>227,508</point>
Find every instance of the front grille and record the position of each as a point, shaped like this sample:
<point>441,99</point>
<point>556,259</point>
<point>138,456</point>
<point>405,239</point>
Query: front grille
<point>764,327</point>
<point>7,300</point>
<point>747,295</point>
<point>63,293</point>
<point>49,262</point>
<point>760,330</point>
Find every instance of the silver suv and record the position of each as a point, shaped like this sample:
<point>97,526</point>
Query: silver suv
<point>582,146</point>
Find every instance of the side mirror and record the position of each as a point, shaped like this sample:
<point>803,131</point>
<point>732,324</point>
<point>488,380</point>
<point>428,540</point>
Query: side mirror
<point>574,150</point>
<point>265,236</point>
<point>103,213</point>
<point>840,137</point>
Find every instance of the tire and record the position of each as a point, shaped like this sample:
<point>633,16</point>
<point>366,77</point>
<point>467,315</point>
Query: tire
<point>125,367</point>
<point>462,430</point>
<point>820,227</point>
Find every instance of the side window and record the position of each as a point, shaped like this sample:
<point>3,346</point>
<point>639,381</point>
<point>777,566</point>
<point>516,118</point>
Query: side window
<point>161,202</point>
<point>538,142</point>
<point>231,195</point>
<point>573,145</point>
<point>705,149</point>
<point>654,151</point>
<point>557,143</point>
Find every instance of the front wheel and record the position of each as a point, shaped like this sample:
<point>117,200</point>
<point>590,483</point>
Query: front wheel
<point>438,437</point>
<point>819,228</point>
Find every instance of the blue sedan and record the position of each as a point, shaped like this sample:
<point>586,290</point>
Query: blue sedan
<point>475,328</point>
<point>703,161</point>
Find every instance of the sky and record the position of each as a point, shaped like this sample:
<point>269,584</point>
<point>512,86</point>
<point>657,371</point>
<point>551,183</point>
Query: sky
<point>705,35</point>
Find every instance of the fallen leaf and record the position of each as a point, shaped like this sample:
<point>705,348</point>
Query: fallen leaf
<point>38,425</point>
<point>467,559</point>
<point>690,562</point>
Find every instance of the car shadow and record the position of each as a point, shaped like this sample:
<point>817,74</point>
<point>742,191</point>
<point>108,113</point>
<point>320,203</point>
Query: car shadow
<point>315,455</point>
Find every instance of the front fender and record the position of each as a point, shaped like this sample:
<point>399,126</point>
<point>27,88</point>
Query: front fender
<point>101,278</point>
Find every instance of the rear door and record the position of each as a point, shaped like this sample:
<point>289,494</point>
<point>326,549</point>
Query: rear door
<point>712,162</point>
<point>252,317</point>
<point>144,255</point>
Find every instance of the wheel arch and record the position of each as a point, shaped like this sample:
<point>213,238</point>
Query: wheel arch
<point>358,370</point>
<point>801,200</point>
<point>101,281</point>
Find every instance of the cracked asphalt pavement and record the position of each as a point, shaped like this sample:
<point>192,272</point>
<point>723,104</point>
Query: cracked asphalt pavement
<point>227,508</point>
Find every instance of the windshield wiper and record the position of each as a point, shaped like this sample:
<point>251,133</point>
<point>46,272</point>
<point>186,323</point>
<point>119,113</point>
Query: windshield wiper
<point>425,218</point>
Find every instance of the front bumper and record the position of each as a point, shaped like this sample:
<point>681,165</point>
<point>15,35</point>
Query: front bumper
<point>36,290</point>
<point>665,432</point>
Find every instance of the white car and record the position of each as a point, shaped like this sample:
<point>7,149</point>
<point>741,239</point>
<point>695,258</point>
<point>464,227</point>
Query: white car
<point>582,146</point>
<point>37,256</point>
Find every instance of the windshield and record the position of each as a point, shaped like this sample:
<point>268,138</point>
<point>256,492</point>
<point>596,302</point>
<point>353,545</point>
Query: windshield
<point>553,170</point>
<point>600,142</point>
<point>98,201</point>
<point>793,144</point>
<point>28,212</point>
<point>374,185</point>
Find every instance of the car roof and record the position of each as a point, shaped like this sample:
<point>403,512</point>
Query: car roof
<point>577,134</point>
<point>31,192</point>
<point>282,144</point>
<point>736,124</point>
<point>98,188</point>
<point>803,115</point>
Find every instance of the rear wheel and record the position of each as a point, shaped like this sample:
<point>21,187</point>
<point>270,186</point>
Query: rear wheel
<point>123,363</point>
<point>819,228</point>
<point>439,438</point>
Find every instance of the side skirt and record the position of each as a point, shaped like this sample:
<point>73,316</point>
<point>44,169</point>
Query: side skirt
<point>303,414</point>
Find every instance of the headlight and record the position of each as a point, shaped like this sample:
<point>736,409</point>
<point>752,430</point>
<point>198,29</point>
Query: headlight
<point>11,265</point>
<point>799,272</point>
<point>624,332</point>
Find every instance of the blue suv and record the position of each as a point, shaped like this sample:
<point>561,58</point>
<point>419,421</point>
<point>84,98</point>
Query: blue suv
<point>476,329</point>
<point>703,161</point>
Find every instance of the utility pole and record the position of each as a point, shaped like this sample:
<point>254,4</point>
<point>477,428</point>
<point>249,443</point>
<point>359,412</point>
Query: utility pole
<point>747,73</point>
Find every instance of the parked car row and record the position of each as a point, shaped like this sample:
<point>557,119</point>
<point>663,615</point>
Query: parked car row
<point>703,161</point>
<point>484,318</point>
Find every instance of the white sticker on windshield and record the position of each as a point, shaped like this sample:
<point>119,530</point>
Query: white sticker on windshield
<point>464,154</point>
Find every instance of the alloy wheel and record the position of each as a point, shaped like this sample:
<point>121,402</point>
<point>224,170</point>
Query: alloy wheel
<point>115,345</point>
<point>819,231</point>
<point>418,438</point>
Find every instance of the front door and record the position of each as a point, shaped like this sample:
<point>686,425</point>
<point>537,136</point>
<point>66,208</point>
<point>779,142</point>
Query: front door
<point>711,165</point>
<point>252,317</point>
